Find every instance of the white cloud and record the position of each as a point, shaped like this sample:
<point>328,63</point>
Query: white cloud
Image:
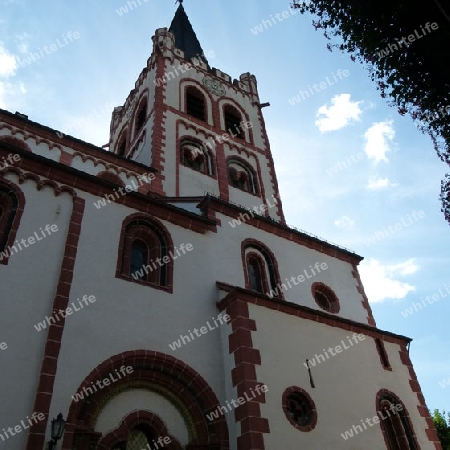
<point>8,63</point>
<point>345,222</point>
<point>380,183</point>
<point>339,114</point>
<point>378,137</point>
<point>406,268</point>
<point>379,280</point>
<point>11,93</point>
<point>21,41</point>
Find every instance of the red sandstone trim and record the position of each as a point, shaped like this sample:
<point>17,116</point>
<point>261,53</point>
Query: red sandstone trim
<point>41,133</point>
<point>294,390</point>
<point>272,261</point>
<point>223,103</point>
<point>56,173</point>
<point>399,430</point>
<point>49,366</point>
<point>160,370</point>
<point>12,231</point>
<point>66,158</point>
<point>304,312</point>
<point>329,294</point>
<point>124,251</point>
<point>422,406</point>
<point>384,358</point>
<point>257,181</point>
<point>281,230</point>
<point>365,300</point>
<point>16,142</point>
<point>111,177</point>
<point>144,419</point>
<point>244,377</point>
<point>158,135</point>
<point>271,166</point>
<point>184,85</point>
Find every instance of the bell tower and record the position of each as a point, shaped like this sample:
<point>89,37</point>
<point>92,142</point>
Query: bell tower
<point>202,131</point>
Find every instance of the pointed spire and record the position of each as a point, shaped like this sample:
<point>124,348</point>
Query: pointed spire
<point>185,37</point>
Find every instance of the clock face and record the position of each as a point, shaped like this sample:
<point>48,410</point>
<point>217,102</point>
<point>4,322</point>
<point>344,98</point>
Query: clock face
<point>214,86</point>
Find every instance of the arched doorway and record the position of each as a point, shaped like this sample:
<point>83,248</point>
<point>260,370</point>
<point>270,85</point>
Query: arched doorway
<point>152,371</point>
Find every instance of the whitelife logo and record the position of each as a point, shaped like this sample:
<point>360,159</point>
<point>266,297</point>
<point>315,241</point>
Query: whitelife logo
<point>4,164</point>
<point>203,330</point>
<point>379,235</point>
<point>139,274</point>
<point>259,210</point>
<point>64,313</point>
<point>300,278</point>
<point>35,418</point>
<point>268,24</point>
<point>222,410</point>
<point>119,192</point>
<point>101,384</point>
<point>375,419</point>
<point>338,349</point>
<point>444,383</point>
<point>53,47</point>
<point>431,299</point>
<point>17,247</point>
<point>319,87</point>
<point>411,38</point>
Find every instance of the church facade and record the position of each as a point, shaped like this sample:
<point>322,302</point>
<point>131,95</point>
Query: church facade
<point>154,295</point>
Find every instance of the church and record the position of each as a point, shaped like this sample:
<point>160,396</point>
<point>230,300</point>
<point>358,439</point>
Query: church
<point>153,296</point>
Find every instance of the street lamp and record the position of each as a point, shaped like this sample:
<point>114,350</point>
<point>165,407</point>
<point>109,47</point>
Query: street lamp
<point>57,430</point>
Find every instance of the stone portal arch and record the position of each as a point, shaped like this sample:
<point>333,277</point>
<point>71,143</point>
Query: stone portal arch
<point>164,374</point>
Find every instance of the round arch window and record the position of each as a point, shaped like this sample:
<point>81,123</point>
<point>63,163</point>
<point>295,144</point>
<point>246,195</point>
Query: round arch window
<point>325,298</point>
<point>299,409</point>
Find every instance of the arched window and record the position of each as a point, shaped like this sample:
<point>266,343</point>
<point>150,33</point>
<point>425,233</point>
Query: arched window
<point>196,157</point>
<point>395,424</point>
<point>256,273</point>
<point>233,120</point>
<point>141,115</point>
<point>146,253</point>
<point>138,258</point>
<point>138,440</point>
<point>195,103</point>
<point>241,176</point>
<point>122,144</point>
<point>260,271</point>
<point>8,210</point>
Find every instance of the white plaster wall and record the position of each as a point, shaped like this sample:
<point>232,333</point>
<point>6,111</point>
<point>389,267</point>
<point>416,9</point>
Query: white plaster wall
<point>39,148</point>
<point>128,316</point>
<point>269,190</point>
<point>194,183</point>
<point>88,166</point>
<point>156,318</point>
<point>293,260</point>
<point>28,284</point>
<point>140,399</point>
<point>345,385</point>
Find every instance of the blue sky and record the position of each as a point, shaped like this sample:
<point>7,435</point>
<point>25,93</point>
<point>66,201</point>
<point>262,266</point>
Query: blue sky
<point>392,175</point>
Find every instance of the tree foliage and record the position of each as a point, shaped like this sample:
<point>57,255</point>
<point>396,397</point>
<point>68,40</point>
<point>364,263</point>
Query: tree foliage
<point>442,425</point>
<point>407,58</point>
